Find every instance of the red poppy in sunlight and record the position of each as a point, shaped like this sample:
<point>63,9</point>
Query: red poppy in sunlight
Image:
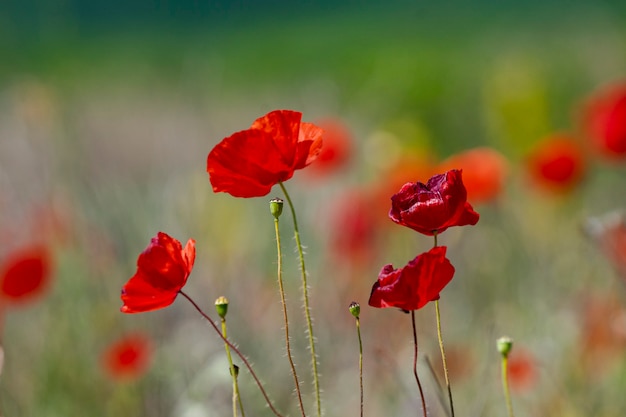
<point>604,118</point>
<point>25,274</point>
<point>522,370</point>
<point>557,163</point>
<point>128,358</point>
<point>433,207</point>
<point>162,271</point>
<point>250,162</point>
<point>484,172</point>
<point>336,150</point>
<point>414,285</point>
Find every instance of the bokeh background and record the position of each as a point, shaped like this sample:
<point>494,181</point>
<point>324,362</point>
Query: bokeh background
<point>108,110</point>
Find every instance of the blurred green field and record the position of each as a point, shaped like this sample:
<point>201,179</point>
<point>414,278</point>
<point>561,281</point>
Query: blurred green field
<point>104,133</point>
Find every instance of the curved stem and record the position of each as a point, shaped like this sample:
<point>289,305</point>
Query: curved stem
<point>234,348</point>
<point>285,318</point>
<point>419,384</point>
<point>443,357</point>
<point>233,373</point>
<point>505,386</point>
<point>307,308</point>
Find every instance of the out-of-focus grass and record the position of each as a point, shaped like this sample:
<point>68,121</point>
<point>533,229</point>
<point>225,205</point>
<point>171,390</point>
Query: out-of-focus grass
<point>117,128</point>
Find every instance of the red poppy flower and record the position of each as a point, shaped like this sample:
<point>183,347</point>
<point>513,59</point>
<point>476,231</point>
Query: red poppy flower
<point>557,163</point>
<point>604,117</point>
<point>484,172</point>
<point>128,357</point>
<point>433,207</point>
<point>250,162</point>
<point>162,271</point>
<point>25,274</point>
<point>415,285</point>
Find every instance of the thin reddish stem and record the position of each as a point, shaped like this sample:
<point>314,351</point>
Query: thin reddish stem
<point>419,384</point>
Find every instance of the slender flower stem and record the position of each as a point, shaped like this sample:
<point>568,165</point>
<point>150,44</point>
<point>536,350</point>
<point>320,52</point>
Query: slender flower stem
<point>233,373</point>
<point>307,308</point>
<point>285,318</point>
<point>234,348</point>
<point>443,358</point>
<point>419,384</point>
<point>505,386</point>
<point>358,333</point>
<point>443,352</point>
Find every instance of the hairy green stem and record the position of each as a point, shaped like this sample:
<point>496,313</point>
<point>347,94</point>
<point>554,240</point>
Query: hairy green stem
<point>307,308</point>
<point>285,318</point>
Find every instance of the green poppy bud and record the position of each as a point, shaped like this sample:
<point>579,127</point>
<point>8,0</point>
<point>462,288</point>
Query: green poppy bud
<point>276,207</point>
<point>505,344</point>
<point>221,306</point>
<point>355,309</point>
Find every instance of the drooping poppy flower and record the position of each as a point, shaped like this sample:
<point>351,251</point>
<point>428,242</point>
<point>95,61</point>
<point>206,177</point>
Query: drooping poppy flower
<point>25,274</point>
<point>335,153</point>
<point>128,357</point>
<point>433,207</point>
<point>604,119</point>
<point>414,285</point>
<point>484,172</point>
<point>250,162</point>
<point>557,163</point>
<point>162,271</point>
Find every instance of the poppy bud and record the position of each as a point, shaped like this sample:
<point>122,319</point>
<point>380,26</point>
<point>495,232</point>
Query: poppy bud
<point>355,309</point>
<point>276,207</point>
<point>505,344</point>
<point>221,306</point>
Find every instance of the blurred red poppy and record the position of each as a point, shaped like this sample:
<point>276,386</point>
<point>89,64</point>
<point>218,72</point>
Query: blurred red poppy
<point>602,324</point>
<point>353,228</point>
<point>484,172</point>
<point>336,150</point>
<point>557,163</point>
<point>414,285</point>
<point>604,119</point>
<point>128,358</point>
<point>162,271</point>
<point>433,207</point>
<point>26,274</point>
<point>250,162</point>
<point>522,370</point>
